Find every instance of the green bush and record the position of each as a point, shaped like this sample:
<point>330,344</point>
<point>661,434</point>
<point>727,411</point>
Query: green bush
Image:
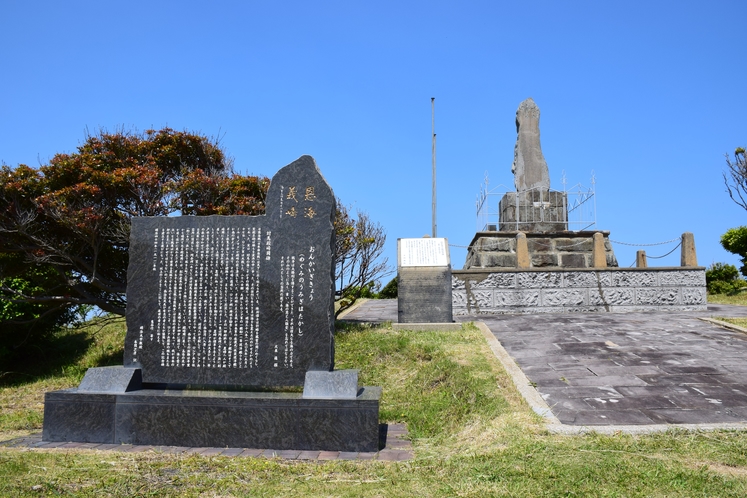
<point>722,278</point>
<point>735,241</point>
<point>390,290</point>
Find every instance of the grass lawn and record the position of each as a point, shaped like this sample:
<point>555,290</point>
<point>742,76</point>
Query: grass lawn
<point>738,299</point>
<point>472,434</point>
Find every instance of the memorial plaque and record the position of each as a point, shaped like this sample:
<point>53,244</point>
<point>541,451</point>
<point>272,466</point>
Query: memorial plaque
<point>236,300</point>
<point>424,281</point>
<point>423,252</point>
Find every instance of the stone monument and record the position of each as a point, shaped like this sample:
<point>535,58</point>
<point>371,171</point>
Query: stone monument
<point>533,207</point>
<point>423,281</point>
<point>529,166</point>
<point>533,221</point>
<point>224,314</point>
<point>534,264</point>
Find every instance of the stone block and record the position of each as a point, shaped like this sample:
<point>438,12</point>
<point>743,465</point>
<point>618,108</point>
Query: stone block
<point>563,297</point>
<point>572,260</point>
<point>573,245</point>
<point>516,298</point>
<point>587,279</point>
<point>634,279</point>
<point>85,419</point>
<point>480,299</point>
<point>496,281</point>
<point>458,300</point>
<point>539,245</point>
<point>692,296</point>
<point>538,280</point>
<point>340,384</point>
<point>424,294</point>
<point>281,421</point>
<point>540,260</point>
<point>495,244</point>
<point>684,278</point>
<point>612,296</point>
<point>657,296</point>
<point>111,380</point>
<point>496,260</point>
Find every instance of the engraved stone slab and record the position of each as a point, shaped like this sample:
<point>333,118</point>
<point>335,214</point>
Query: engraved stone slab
<point>685,277</point>
<point>496,281</point>
<point>236,300</point>
<point>517,298</point>
<point>634,279</point>
<point>612,296</point>
<point>533,280</point>
<point>563,297</point>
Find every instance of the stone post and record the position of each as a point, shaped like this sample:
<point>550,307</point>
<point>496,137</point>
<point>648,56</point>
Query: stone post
<point>640,259</point>
<point>522,251</point>
<point>688,258</point>
<point>599,255</point>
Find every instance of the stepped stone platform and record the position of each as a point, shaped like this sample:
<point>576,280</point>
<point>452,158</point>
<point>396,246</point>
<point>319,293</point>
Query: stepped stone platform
<point>561,249</point>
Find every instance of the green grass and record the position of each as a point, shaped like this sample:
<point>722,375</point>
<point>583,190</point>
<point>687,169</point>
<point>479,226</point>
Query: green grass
<point>472,434</point>
<point>741,322</point>
<point>738,299</point>
<point>55,362</point>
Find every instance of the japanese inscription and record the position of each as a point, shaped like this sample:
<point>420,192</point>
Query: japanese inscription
<point>236,300</point>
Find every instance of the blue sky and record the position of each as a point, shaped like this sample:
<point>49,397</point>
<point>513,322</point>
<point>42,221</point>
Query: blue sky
<point>649,95</point>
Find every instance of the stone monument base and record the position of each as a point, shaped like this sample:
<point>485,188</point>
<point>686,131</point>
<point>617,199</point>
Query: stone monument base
<point>536,210</point>
<point>546,250</point>
<point>124,412</point>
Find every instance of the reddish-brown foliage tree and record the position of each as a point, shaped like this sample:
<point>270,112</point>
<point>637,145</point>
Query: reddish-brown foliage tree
<point>72,216</point>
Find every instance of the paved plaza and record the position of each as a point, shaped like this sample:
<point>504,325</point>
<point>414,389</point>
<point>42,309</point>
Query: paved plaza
<point>622,369</point>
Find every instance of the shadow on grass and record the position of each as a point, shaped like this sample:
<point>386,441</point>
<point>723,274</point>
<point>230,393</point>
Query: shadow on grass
<point>49,356</point>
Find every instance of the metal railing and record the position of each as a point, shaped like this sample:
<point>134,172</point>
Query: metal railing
<point>500,208</point>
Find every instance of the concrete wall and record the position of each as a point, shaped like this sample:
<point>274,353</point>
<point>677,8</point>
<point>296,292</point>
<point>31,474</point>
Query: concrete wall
<point>498,291</point>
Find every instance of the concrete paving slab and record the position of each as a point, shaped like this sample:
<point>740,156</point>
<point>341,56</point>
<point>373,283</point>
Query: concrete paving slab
<point>643,360</point>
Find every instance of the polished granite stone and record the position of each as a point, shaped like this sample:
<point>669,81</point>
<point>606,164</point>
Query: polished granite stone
<point>236,300</point>
<point>215,418</point>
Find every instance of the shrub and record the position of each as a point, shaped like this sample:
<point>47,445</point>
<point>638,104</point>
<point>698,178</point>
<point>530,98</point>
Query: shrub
<point>390,290</point>
<point>722,278</point>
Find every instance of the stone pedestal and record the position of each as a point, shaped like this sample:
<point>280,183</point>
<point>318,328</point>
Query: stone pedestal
<point>545,250</point>
<point>424,281</point>
<point>537,210</point>
<point>180,417</point>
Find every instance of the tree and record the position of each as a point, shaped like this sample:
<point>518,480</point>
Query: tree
<point>735,241</point>
<point>358,262</point>
<point>735,178</point>
<point>722,278</point>
<point>70,219</point>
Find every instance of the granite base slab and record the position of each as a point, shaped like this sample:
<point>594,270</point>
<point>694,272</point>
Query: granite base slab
<point>214,418</point>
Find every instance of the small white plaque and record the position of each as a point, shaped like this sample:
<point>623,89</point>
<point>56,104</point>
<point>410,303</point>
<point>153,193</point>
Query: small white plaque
<point>423,252</point>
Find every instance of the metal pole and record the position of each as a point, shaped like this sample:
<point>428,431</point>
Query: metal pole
<point>433,131</point>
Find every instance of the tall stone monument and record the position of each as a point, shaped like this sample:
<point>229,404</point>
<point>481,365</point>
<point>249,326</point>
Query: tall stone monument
<point>533,207</point>
<point>533,221</point>
<point>529,166</point>
<point>222,312</point>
